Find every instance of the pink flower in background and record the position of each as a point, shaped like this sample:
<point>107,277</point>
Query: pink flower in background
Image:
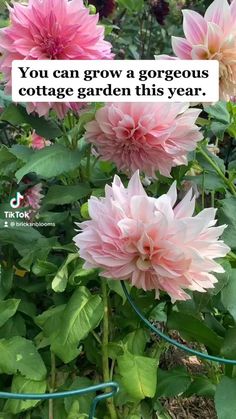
<point>33,197</point>
<point>51,29</point>
<point>212,37</point>
<point>39,142</point>
<point>154,243</point>
<point>145,136</point>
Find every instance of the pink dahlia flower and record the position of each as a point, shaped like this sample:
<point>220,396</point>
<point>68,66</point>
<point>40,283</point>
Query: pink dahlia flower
<point>212,37</point>
<point>38,142</point>
<point>154,243</point>
<point>33,197</point>
<point>51,29</point>
<point>144,136</point>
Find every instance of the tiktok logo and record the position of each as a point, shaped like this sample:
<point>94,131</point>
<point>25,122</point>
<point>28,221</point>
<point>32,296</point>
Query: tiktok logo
<point>15,202</point>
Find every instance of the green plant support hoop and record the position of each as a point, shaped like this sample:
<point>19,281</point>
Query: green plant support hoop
<point>173,341</point>
<point>60,395</point>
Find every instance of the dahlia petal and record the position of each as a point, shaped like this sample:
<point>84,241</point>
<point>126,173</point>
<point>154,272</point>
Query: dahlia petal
<point>164,57</point>
<point>135,186</point>
<point>195,27</point>
<point>219,12</point>
<point>214,38</point>
<point>172,193</point>
<point>181,47</point>
<point>200,52</point>
<point>233,12</point>
<point>186,207</point>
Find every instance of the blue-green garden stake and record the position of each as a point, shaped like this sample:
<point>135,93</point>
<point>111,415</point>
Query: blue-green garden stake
<point>60,395</point>
<point>170,340</point>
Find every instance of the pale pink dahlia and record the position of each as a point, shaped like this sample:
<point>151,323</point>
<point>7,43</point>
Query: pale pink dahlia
<point>151,242</point>
<point>144,136</point>
<point>37,142</point>
<point>51,29</point>
<point>212,37</point>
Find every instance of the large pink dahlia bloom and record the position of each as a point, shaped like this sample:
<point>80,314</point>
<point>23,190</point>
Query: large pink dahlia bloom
<point>51,29</point>
<point>144,136</point>
<point>154,243</point>
<point>212,37</point>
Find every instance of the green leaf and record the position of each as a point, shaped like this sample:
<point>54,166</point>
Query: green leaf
<point>195,330</point>
<point>138,375</point>
<point>19,235</point>
<point>17,115</point>
<point>60,280</point>
<point>6,156</point>
<point>61,195</point>
<point>21,152</point>
<point>50,162</point>
<point>5,100</point>
<point>225,400</point>
<point>201,386</point>
<point>227,215</point>
<point>223,278</point>
<point>7,309</point>
<point>19,354</point>
<point>211,181</point>
<point>132,5</point>
<point>228,349</point>
<point>23,385</point>
<point>49,320</point>
<point>15,326</point>
<point>116,287</point>
<point>218,111</point>
<point>228,294</point>
<point>173,382</point>
<point>81,315</point>
<point>84,401</point>
<point>158,313</point>
<point>6,278</point>
<point>43,268</point>
<point>136,341</point>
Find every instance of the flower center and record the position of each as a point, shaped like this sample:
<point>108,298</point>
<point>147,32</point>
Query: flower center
<point>53,47</point>
<point>143,263</point>
<point>226,71</point>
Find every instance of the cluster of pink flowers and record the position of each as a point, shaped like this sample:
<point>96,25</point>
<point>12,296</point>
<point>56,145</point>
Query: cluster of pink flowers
<point>152,242</point>
<point>212,37</point>
<point>145,136</point>
<point>51,29</point>
<point>33,197</point>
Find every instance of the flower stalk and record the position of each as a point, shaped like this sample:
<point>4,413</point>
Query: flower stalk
<point>105,339</point>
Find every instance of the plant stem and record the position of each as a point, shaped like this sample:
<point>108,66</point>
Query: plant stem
<point>52,385</point>
<point>88,163</point>
<point>105,362</point>
<point>218,170</point>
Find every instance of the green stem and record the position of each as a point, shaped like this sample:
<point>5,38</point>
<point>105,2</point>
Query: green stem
<point>105,339</point>
<point>52,385</point>
<point>232,256</point>
<point>88,163</point>
<point>218,170</point>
